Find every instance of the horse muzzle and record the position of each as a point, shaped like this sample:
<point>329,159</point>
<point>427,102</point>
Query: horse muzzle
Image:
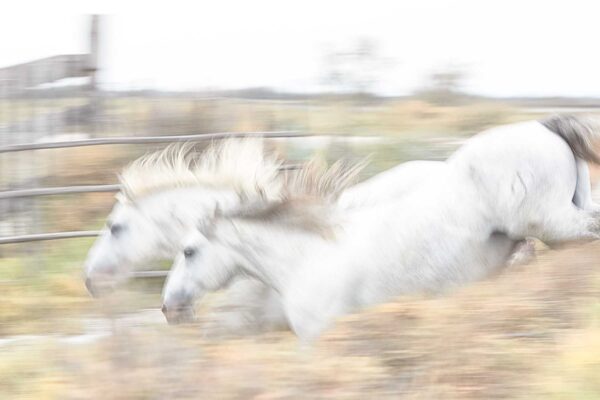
<point>98,288</point>
<point>178,315</point>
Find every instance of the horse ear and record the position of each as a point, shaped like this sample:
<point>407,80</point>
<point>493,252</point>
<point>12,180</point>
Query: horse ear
<point>124,199</point>
<point>206,225</point>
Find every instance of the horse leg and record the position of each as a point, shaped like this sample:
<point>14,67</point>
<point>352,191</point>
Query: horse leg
<point>246,308</point>
<point>524,253</point>
<point>564,224</point>
<point>306,325</point>
<point>271,310</point>
<point>308,314</point>
<point>583,190</point>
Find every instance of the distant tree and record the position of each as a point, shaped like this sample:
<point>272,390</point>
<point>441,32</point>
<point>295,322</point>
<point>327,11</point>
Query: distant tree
<point>444,87</point>
<point>448,81</point>
<point>355,70</point>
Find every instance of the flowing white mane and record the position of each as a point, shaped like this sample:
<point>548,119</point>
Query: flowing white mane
<point>306,199</point>
<point>237,164</point>
<point>316,180</point>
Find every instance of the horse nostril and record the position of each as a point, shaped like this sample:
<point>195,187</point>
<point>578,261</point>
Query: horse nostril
<point>164,309</point>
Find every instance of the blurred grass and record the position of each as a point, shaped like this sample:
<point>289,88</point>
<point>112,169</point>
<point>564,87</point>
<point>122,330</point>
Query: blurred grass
<point>532,333</point>
<point>404,130</point>
<point>37,289</point>
<point>44,292</point>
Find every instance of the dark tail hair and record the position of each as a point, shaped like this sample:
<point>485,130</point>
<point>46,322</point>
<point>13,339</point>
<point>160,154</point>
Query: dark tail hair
<point>579,133</point>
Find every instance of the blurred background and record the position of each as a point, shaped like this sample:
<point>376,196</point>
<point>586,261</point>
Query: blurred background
<point>84,90</point>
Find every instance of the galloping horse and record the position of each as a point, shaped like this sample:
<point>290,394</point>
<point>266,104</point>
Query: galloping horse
<point>166,194</point>
<point>324,260</point>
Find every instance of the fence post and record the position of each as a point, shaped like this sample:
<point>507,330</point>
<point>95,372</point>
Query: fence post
<point>92,69</point>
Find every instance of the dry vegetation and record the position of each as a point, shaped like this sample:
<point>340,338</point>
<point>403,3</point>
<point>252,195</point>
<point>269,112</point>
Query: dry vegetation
<point>533,332</point>
<point>412,127</point>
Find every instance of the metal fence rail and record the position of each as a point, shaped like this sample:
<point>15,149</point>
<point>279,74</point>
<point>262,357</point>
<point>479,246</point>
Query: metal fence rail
<point>39,105</point>
<point>145,140</point>
<point>150,274</point>
<point>14,194</point>
<point>34,192</point>
<point>37,237</point>
<point>50,191</point>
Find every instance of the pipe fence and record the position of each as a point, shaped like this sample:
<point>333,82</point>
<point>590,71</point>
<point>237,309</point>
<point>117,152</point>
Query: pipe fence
<point>48,191</point>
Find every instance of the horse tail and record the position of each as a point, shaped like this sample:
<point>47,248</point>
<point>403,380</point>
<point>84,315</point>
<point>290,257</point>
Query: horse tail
<point>579,133</point>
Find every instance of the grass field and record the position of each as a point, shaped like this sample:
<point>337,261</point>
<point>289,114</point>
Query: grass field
<point>531,333</point>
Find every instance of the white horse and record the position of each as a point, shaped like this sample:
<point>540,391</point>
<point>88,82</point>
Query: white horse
<point>524,180</point>
<point>166,194</point>
<point>533,179</point>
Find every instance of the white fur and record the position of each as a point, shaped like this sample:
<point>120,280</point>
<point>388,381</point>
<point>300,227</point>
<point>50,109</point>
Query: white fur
<point>167,196</point>
<point>526,179</point>
<point>167,193</point>
<point>519,179</point>
<point>238,164</point>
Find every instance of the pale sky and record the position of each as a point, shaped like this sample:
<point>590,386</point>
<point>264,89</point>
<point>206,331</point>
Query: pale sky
<point>507,47</point>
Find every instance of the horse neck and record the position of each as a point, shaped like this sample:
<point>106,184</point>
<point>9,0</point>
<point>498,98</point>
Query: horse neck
<point>176,212</point>
<point>270,253</point>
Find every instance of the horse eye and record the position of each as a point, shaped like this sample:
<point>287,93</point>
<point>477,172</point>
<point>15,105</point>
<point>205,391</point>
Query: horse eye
<point>189,252</point>
<point>115,229</point>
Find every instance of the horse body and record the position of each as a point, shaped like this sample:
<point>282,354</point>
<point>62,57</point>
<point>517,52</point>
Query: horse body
<point>456,227</point>
<point>258,307</point>
<point>378,252</point>
<point>391,184</point>
<point>412,246</point>
<point>530,183</point>
<point>503,185</point>
<point>153,226</point>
